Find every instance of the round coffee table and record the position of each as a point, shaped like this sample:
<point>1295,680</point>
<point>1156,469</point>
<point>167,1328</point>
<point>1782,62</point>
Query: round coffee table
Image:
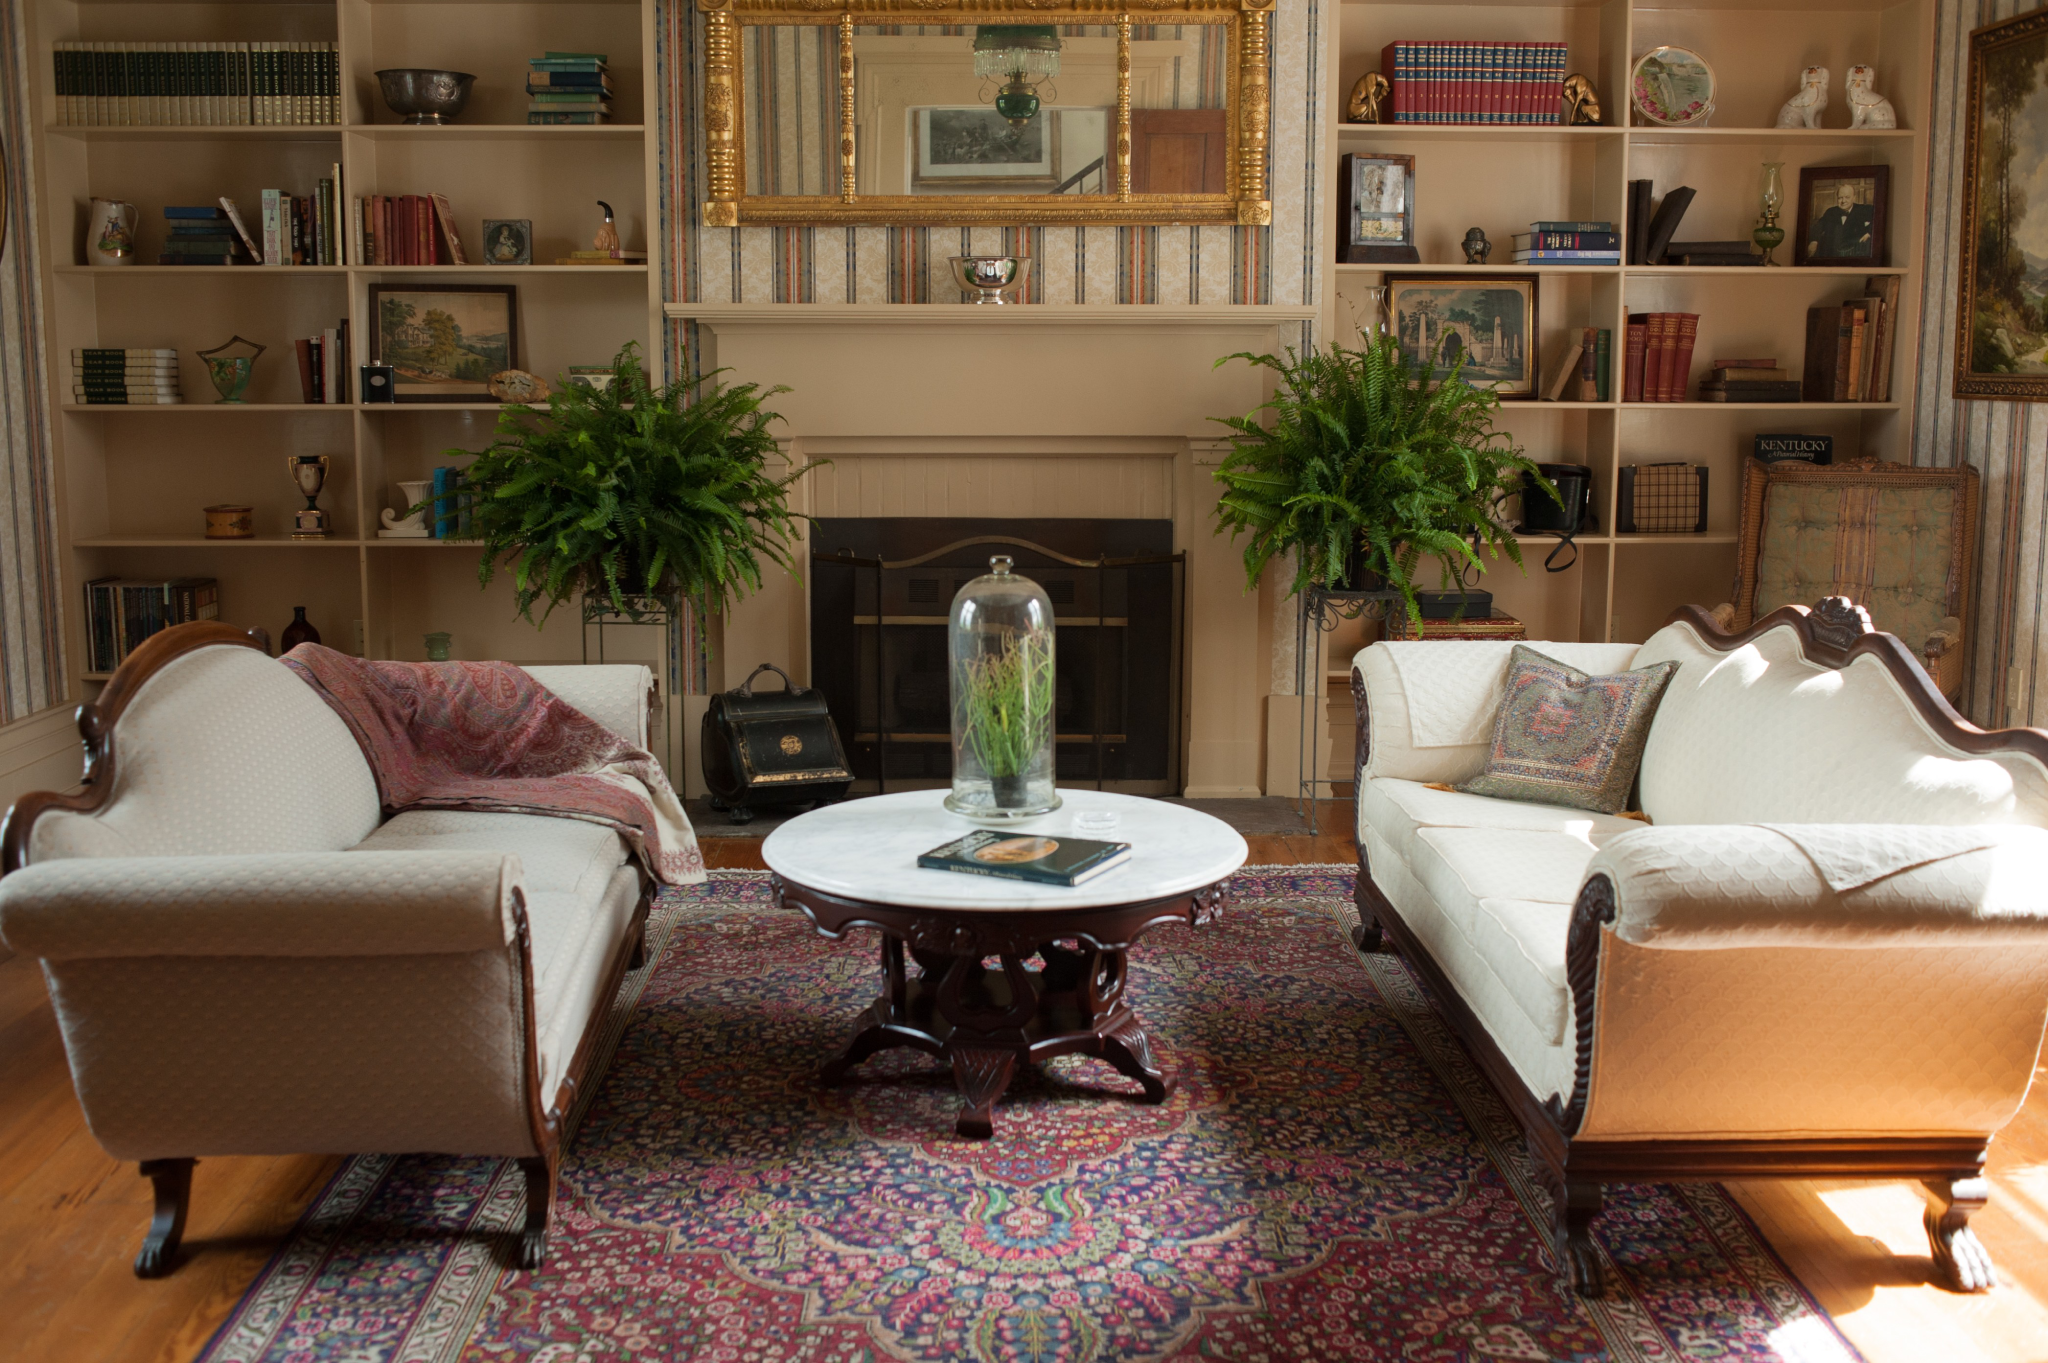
<point>854,865</point>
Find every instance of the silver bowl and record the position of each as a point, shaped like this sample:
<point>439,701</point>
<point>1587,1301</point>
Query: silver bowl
<point>421,95</point>
<point>988,278</point>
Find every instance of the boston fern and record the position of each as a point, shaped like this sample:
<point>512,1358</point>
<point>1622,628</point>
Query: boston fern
<point>632,491</point>
<point>1363,455</point>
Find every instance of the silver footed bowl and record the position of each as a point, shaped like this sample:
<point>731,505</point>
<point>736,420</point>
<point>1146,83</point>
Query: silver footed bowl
<point>987,278</point>
<point>420,95</point>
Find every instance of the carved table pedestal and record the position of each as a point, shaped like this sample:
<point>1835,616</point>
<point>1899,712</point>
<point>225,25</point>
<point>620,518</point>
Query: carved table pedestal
<point>855,865</point>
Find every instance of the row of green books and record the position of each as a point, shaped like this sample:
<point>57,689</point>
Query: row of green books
<point>568,88</point>
<point>208,84</point>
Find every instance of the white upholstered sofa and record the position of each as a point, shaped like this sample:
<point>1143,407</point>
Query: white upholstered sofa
<point>1704,997</point>
<point>246,959</point>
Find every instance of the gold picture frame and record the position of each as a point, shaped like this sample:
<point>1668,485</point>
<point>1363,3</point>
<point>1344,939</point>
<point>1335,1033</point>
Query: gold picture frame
<point>1994,347</point>
<point>1247,106</point>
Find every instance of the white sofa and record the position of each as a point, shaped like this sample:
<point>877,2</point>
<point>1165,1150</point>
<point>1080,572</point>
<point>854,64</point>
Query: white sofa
<point>1693,998</point>
<point>247,959</point>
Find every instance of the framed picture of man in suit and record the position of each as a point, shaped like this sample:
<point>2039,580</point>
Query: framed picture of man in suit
<point>1842,212</point>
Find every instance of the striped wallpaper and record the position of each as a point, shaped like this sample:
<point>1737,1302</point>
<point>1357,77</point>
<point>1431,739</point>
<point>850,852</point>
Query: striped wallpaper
<point>32,675</point>
<point>2007,442</point>
<point>1071,265</point>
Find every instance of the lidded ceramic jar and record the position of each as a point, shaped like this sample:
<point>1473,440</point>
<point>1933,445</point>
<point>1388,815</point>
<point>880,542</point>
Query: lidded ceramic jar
<point>1000,650</point>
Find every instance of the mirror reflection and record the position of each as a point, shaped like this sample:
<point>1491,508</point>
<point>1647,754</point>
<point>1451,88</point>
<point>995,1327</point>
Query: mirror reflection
<point>1180,83</point>
<point>790,118</point>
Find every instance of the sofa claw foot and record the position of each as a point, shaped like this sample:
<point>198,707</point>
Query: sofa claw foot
<point>1958,1253</point>
<point>1582,1272</point>
<point>173,1181</point>
<point>531,1254</point>
<point>531,1249</point>
<point>1367,937</point>
<point>1578,1262</point>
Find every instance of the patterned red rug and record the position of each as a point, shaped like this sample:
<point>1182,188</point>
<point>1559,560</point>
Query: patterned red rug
<point>1331,1181</point>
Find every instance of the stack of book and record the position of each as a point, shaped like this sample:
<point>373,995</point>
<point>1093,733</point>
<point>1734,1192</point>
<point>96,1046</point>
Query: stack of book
<point>1849,346</point>
<point>405,229</point>
<point>1749,380</point>
<point>1473,82</point>
<point>125,377</point>
<point>568,87</point>
<point>1568,243</point>
<point>304,229</point>
<point>201,235</point>
<point>1711,253</point>
<point>1581,374</point>
<point>323,365</point>
<point>1650,234</point>
<point>1657,363</point>
<point>204,84</point>
<point>121,612</point>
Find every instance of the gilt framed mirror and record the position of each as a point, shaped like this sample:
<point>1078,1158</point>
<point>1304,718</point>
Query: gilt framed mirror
<point>961,112</point>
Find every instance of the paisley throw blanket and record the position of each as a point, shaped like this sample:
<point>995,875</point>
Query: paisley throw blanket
<point>488,737</point>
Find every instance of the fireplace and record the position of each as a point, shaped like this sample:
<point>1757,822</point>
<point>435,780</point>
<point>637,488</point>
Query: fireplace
<point>881,590</point>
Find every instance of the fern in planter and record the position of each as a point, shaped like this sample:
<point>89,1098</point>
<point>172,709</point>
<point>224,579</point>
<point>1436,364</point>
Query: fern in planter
<point>632,491</point>
<point>1367,463</point>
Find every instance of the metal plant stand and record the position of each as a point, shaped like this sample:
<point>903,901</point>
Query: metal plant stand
<point>666,612</point>
<point>1321,610</point>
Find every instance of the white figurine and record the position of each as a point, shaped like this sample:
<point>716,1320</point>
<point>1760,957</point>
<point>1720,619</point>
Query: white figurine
<point>1803,109</point>
<point>1867,108</point>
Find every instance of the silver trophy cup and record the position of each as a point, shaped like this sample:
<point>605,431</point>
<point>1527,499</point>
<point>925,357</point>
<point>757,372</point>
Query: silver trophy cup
<point>309,471</point>
<point>988,278</point>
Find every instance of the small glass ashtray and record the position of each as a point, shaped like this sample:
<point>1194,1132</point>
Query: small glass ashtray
<point>1096,823</point>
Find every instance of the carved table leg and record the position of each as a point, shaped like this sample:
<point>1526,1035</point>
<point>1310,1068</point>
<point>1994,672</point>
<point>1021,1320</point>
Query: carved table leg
<point>871,1033</point>
<point>173,1181</point>
<point>1573,1209</point>
<point>981,1076</point>
<point>1128,1048</point>
<point>540,1197</point>
<point>1957,1251</point>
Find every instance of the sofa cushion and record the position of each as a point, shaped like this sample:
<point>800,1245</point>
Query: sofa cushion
<point>1564,737</point>
<point>1524,941</point>
<point>223,752</point>
<point>1398,809</point>
<point>1761,735</point>
<point>1461,866</point>
<point>1433,701</point>
<point>569,865</point>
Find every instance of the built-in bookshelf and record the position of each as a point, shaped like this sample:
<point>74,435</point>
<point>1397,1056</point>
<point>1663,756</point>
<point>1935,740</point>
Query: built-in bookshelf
<point>1502,178</point>
<point>136,478</point>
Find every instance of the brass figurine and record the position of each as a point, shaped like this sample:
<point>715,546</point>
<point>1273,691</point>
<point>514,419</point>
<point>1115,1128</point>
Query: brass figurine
<point>1477,247</point>
<point>607,231</point>
<point>1368,99</point>
<point>1581,102</point>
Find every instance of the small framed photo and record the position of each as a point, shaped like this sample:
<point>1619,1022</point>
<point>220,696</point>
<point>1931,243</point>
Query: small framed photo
<point>444,341</point>
<point>1842,212</point>
<point>1489,321</point>
<point>508,241</point>
<point>1377,208</point>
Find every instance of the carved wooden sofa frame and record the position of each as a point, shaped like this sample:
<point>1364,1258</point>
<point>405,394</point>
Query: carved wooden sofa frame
<point>1832,633</point>
<point>172,1178</point>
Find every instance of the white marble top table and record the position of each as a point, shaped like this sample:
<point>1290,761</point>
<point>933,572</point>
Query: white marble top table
<point>867,849</point>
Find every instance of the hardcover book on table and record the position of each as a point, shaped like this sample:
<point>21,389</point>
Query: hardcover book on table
<point>1037,857</point>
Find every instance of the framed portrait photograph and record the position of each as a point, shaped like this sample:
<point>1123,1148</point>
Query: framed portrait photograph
<point>2001,324</point>
<point>444,341</point>
<point>971,146</point>
<point>1842,211</point>
<point>508,241</point>
<point>1489,321</point>
<point>1376,209</point>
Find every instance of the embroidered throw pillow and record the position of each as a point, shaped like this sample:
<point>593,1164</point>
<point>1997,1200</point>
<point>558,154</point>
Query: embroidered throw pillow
<point>1564,738</point>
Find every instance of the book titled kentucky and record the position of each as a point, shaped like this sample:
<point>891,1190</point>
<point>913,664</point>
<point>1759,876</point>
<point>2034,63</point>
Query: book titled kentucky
<point>1027,856</point>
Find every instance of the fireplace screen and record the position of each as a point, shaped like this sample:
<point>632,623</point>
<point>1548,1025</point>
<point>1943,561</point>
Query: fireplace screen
<point>881,591</point>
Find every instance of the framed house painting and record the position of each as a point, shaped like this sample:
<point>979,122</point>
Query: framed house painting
<point>1842,216</point>
<point>444,341</point>
<point>2001,324</point>
<point>1376,210</point>
<point>1489,322</point>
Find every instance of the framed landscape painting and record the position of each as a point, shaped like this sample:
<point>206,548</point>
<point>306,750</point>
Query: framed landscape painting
<point>2002,306</point>
<point>444,341</point>
<point>1490,324</point>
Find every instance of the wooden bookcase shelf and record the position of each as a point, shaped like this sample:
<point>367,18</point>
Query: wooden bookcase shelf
<point>1502,178</point>
<point>135,478</point>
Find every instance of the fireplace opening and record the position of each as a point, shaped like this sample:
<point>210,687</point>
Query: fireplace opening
<point>881,592</point>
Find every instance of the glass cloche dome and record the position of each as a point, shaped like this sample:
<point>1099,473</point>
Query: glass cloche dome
<point>1001,650</point>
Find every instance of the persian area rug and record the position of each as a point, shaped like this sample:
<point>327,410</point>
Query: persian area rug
<point>1332,1180</point>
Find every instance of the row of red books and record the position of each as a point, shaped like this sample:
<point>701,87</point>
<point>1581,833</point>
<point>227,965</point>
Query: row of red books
<point>406,229</point>
<point>1658,358</point>
<point>1475,82</point>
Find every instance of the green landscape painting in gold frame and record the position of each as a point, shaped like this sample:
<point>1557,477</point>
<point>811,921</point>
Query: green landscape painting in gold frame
<point>2002,309</point>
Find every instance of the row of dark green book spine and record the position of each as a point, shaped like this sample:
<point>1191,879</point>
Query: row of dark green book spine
<point>205,84</point>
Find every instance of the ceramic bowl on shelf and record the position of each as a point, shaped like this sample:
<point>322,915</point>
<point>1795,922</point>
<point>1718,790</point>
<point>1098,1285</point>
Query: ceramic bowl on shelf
<point>422,95</point>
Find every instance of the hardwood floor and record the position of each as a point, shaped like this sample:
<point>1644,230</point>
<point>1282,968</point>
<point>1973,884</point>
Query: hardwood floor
<point>71,1218</point>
